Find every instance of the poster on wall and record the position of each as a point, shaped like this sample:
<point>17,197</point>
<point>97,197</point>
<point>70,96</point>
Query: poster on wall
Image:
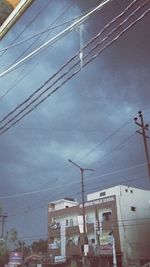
<point>10,12</point>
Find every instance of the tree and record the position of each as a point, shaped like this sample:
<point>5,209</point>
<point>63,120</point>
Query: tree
<point>22,247</point>
<point>3,252</point>
<point>39,246</point>
<point>12,239</point>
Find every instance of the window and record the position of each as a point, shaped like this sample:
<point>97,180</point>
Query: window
<point>106,216</point>
<point>102,194</point>
<point>66,207</point>
<point>67,222</point>
<point>51,239</point>
<point>54,224</point>
<point>133,208</point>
<point>126,190</point>
<point>131,191</point>
<point>93,240</point>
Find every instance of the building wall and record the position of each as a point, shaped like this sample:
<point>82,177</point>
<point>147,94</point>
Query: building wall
<point>104,193</point>
<point>62,204</point>
<point>133,212</point>
<point>134,216</point>
<point>121,211</point>
<point>93,212</point>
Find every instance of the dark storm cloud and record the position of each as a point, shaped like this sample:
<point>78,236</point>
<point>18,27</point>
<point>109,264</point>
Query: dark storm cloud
<point>105,95</point>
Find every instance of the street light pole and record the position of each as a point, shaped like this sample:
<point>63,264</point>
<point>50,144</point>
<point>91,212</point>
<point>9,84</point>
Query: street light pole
<point>83,203</point>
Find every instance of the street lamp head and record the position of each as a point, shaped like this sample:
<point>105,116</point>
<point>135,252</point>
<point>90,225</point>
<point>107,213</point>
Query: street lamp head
<point>146,125</point>
<point>81,169</point>
<point>140,114</point>
<point>135,119</point>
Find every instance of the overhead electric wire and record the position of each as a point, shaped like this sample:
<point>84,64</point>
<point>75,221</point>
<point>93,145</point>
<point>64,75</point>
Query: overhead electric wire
<point>69,184</point>
<point>120,15</point>
<point>72,75</point>
<point>44,31</point>
<point>121,170</point>
<point>106,185</point>
<point>53,39</point>
<point>77,55</point>
<point>115,223</point>
<point>29,24</point>
<point>125,140</point>
<point>105,140</point>
<point>32,208</point>
<point>20,79</point>
<point>107,25</point>
<point>38,37</point>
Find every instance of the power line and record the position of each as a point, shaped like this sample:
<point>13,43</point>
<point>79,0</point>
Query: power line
<point>38,37</point>
<point>58,87</point>
<point>62,13</point>
<point>77,55</point>
<point>60,35</point>
<point>105,186</point>
<point>32,208</point>
<point>50,28</point>
<point>69,184</point>
<point>29,24</point>
<point>121,170</point>
<point>120,15</point>
<point>103,30</point>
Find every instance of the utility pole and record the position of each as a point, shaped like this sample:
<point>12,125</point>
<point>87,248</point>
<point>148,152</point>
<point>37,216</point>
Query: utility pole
<point>97,227</point>
<point>3,216</point>
<point>143,131</point>
<point>83,208</point>
<point>22,252</point>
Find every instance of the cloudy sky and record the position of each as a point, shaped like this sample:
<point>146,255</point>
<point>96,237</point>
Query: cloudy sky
<point>89,119</point>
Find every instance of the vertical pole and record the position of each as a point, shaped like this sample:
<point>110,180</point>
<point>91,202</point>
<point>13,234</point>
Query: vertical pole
<point>144,128</point>
<point>97,228</point>
<point>85,241</point>
<point>83,214</point>
<point>3,222</point>
<point>22,251</point>
<point>83,207</point>
<point>114,252</point>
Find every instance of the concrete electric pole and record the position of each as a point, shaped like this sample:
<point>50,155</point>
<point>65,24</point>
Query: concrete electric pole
<point>143,131</point>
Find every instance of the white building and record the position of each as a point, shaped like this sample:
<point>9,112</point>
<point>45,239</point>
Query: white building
<point>121,212</point>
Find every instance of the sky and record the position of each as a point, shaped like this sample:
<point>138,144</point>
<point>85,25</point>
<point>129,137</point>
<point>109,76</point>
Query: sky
<point>89,119</point>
